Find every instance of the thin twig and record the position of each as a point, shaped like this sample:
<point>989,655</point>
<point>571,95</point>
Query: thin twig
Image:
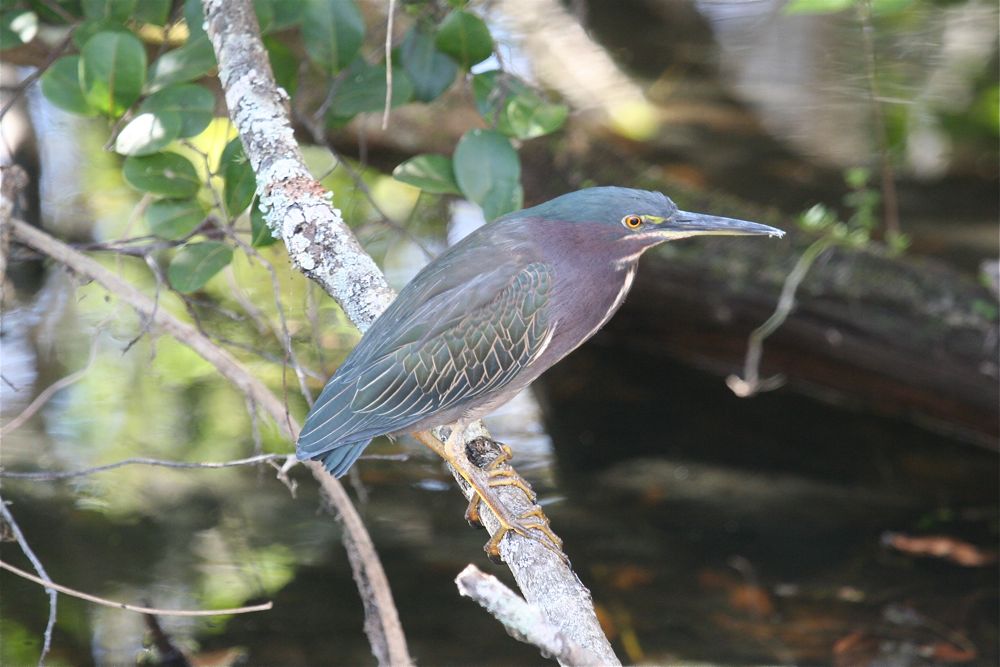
<point>43,578</point>
<point>751,382</point>
<point>47,476</point>
<point>388,66</point>
<point>49,392</point>
<point>72,592</point>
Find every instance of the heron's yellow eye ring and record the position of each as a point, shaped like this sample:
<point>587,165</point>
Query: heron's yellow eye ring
<point>632,221</point>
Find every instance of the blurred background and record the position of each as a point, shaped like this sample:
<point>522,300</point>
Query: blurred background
<point>848,517</point>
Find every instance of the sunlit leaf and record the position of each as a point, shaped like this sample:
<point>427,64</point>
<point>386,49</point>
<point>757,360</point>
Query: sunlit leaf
<point>464,37</point>
<point>430,70</point>
<point>174,218</point>
<point>194,104</point>
<point>165,174</point>
<point>113,71</point>
<point>332,32</point>
<point>430,173</point>
<point>488,171</point>
<point>817,6</point>
<point>196,263</point>
<point>260,233</point>
<point>364,90</point>
<point>186,63</point>
<point>61,86</point>
<point>239,177</point>
<point>148,133</point>
<point>17,27</point>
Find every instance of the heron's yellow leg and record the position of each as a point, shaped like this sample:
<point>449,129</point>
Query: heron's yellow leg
<point>534,519</point>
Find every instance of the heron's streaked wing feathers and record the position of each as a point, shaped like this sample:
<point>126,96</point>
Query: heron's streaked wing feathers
<point>459,342</point>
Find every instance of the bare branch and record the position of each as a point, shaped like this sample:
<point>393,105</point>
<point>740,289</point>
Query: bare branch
<point>524,622</point>
<point>47,476</point>
<point>43,577</point>
<point>72,592</point>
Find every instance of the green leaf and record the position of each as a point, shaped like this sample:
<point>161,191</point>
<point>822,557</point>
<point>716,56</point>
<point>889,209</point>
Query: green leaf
<point>430,71</point>
<point>430,173</point>
<point>240,180</point>
<point>284,64</point>
<point>117,11</point>
<point>364,90</point>
<point>187,63</point>
<point>88,29</point>
<point>194,104</point>
<point>817,6</point>
<point>165,174</point>
<point>529,116</point>
<point>264,9</point>
<point>45,11</point>
<point>112,71</point>
<point>286,14</point>
<point>196,263</point>
<point>332,32</point>
<point>148,133</point>
<point>61,86</point>
<point>464,37</point>
<point>514,108</point>
<point>194,17</point>
<point>156,12</point>
<point>488,171</point>
<point>260,233</point>
<point>17,27</point>
<point>174,218</point>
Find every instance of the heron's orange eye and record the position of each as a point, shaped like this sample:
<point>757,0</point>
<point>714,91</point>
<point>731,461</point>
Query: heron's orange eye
<point>632,221</point>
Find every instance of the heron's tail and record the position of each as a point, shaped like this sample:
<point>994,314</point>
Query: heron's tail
<point>339,459</point>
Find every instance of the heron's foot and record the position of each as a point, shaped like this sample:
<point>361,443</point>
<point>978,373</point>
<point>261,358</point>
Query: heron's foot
<point>533,525</point>
<point>497,477</point>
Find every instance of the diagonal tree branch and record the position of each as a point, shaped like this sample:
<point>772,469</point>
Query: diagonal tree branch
<point>319,244</point>
<point>376,594</point>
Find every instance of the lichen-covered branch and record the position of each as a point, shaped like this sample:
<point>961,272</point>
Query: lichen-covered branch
<point>299,210</point>
<point>523,621</point>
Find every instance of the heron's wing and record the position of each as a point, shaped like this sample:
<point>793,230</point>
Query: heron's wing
<point>459,343</point>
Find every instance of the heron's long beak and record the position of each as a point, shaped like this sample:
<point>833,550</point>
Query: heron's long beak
<point>684,223</point>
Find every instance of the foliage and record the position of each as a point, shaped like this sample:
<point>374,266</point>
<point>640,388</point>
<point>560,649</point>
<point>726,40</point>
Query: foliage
<point>159,108</point>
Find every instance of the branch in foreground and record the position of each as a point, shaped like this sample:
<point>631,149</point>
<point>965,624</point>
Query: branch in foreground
<point>43,577</point>
<point>380,604</point>
<point>319,244</point>
<point>523,621</point>
<point>131,607</point>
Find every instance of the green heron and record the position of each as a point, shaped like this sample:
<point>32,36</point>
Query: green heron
<point>492,313</point>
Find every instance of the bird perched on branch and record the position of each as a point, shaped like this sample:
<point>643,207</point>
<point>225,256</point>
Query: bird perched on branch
<point>491,314</point>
